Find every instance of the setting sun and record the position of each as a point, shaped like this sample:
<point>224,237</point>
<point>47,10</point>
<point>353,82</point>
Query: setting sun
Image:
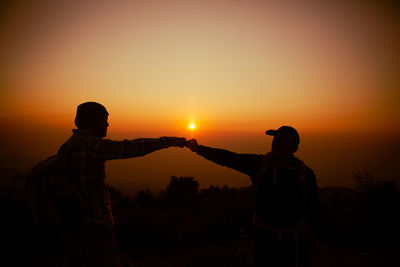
<point>221,72</point>
<point>192,126</point>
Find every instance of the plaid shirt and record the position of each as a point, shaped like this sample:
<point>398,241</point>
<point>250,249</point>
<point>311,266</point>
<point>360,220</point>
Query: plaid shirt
<point>87,154</point>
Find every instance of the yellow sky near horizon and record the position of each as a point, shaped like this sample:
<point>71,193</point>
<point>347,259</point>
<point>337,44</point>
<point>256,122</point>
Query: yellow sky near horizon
<point>226,65</point>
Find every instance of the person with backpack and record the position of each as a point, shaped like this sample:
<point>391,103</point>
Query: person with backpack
<point>69,193</point>
<point>287,215</point>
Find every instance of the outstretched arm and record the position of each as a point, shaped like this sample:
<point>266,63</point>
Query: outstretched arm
<point>245,163</point>
<point>107,149</point>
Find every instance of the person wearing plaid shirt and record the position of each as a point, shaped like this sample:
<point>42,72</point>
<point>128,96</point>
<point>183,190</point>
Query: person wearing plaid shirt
<point>90,240</point>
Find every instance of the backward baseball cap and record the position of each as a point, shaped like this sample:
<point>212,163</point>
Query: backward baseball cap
<point>286,131</point>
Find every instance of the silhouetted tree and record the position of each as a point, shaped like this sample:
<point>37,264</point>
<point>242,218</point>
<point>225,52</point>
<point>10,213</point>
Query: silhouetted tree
<point>182,190</point>
<point>365,181</point>
<point>378,211</point>
<point>143,198</point>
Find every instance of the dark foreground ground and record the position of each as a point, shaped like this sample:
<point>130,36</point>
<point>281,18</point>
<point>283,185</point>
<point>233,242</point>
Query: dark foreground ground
<point>185,226</point>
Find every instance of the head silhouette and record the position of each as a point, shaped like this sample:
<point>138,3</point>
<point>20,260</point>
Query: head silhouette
<point>286,141</point>
<point>93,117</point>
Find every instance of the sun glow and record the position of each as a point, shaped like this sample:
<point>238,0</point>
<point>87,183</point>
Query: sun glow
<point>192,126</point>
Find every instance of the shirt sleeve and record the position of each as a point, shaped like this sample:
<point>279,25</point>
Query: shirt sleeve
<point>106,149</point>
<point>245,163</point>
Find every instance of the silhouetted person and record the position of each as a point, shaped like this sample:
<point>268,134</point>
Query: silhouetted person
<point>287,203</point>
<point>89,241</point>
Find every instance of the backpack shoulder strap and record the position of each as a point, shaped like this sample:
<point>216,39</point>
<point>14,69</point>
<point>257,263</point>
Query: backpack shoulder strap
<point>301,170</point>
<point>265,163</point>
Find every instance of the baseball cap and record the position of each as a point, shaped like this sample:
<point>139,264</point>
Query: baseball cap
<point>287,131</point>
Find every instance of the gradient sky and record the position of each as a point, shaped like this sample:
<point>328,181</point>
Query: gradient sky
<point>239,67</point>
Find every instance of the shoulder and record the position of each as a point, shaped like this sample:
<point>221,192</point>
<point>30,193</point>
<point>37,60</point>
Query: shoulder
<point>90,143</point>
<point>309,171</point>
<point>310,176</point>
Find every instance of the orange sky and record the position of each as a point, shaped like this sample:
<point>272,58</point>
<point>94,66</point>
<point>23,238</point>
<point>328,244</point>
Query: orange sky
<point>225,65</point>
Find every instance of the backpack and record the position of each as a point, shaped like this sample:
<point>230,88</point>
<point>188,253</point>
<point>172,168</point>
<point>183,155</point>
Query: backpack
<point>53,192</point>
<point>302,225</point>
<point>279,202</point>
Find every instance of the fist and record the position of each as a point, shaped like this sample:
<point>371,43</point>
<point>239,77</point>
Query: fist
<point>192,145</point>
<point>181,142</point>
<point>173,141</point>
